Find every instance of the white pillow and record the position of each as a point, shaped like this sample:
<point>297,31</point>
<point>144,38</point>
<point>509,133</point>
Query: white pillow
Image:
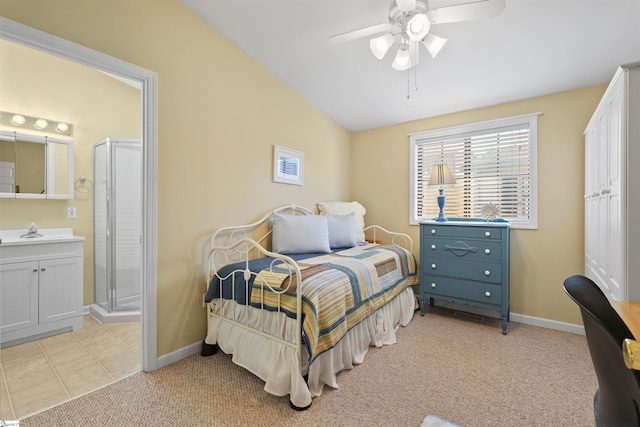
<point>344,208</point>
<point>299,234</point>
<point>343,231</point>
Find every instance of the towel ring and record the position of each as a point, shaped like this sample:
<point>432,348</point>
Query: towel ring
<point>83,184</point>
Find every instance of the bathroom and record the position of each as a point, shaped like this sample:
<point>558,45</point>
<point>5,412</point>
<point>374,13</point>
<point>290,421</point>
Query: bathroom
<point>97,106</point>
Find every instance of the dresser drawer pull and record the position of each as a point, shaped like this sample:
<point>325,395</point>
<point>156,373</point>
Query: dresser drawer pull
<point>433,247</point>
<point>460,248</point>
<point>487,251</point>
<point>487,233</point>
<point>433,266</point>
<point>433,231</point>
<point>433,285</point>
<point>487,294</point>
<point>487,273</point>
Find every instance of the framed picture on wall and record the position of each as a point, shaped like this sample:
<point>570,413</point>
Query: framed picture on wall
<point>287,165</point>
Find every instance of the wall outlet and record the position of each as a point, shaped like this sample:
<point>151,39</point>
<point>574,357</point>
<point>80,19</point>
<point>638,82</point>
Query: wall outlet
<point>71,213</point>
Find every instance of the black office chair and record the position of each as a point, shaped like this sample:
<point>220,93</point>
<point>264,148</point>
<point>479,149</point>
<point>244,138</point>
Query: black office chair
<point>617,399</point>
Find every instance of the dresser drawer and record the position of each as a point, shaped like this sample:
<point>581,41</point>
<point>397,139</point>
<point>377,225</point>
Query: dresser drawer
<point>474,232</point>
<point>470,270</point>
<point>462,289</point>
<point>470,250</point>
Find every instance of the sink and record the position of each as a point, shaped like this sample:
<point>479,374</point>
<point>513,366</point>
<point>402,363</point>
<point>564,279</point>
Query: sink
<point>45,235</point>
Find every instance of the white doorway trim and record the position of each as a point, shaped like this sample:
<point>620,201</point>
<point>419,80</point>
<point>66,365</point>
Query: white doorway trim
<point>48,43</point>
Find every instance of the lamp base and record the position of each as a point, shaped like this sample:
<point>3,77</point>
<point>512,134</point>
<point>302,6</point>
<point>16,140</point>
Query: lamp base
<point>441,200</point>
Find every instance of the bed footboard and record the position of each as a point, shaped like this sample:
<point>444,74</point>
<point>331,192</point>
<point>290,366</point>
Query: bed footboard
<point>242,319</point>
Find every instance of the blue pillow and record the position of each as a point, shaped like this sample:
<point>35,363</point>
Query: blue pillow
<point>300,234</point>
<point>343,231</point>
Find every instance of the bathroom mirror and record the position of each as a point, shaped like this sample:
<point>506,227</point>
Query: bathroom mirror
<point>35,167</point>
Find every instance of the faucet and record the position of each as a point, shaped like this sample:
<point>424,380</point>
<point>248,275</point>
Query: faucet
<point>33,231</point>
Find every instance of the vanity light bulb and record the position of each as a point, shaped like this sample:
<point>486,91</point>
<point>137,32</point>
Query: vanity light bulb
<point>62,127</point>
<point>41,123</point>
<point>18,120</point>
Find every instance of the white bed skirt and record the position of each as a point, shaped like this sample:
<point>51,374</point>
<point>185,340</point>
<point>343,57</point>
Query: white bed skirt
<point>277,363</point>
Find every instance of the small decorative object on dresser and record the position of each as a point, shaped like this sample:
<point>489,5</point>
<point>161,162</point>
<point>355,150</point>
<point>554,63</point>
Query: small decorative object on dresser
<point>466,260</point>
<point>490,212</point>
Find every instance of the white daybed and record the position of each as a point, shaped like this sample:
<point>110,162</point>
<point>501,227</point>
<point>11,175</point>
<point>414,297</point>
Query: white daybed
<point>274,269</point>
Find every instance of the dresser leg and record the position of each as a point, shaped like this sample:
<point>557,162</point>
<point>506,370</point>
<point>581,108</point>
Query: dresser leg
<point>421,302</point>
<point>504,324</point>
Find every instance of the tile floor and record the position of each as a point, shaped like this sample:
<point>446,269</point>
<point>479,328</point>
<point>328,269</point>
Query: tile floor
<point>40,374</point>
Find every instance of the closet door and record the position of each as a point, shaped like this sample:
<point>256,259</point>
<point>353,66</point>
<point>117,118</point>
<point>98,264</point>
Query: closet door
<point>601,200</point>
<point>612,194</point>
<point>591,194</point>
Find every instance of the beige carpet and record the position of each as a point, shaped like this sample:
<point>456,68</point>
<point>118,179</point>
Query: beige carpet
<point>446,364</point>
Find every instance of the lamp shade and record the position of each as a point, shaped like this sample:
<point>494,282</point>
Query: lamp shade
<point>403,59</point>
<point>441,175</point>
<point>433,43</point>
<point>380,45</point>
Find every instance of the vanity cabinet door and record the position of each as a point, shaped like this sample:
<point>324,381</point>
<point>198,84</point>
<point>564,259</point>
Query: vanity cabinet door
<point>18,296</point>
<point>60,289</point>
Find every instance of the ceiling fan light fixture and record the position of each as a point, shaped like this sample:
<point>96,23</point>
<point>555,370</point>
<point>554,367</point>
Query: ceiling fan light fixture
<point>418,27</point>
<point>433,43</point>
<point>381,45</point>
<point>403,59</point>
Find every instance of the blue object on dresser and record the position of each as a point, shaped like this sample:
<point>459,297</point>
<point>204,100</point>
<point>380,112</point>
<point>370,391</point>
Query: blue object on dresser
<point>466,260</point>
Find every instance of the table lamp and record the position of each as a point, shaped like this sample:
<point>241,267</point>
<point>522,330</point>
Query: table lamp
<point>441,175</point>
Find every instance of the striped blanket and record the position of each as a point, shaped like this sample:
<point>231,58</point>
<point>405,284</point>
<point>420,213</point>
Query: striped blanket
<point>339,290</point>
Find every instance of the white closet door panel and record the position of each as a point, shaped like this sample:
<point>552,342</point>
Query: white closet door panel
<point>603,152</point>
<point>615,279</point>
<point>615,141</point>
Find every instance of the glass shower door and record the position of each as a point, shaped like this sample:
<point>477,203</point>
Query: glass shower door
<point>117,225</point>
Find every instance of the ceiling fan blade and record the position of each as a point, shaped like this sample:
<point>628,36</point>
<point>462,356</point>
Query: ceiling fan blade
<point>469,11</point>
<point>362,32</point>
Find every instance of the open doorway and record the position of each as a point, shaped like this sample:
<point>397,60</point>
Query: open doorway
<point>47,43</point>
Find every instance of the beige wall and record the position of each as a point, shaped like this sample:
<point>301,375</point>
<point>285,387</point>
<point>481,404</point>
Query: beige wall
<point>540,259</point>
<point>41,85</point>
<point>219,115</point>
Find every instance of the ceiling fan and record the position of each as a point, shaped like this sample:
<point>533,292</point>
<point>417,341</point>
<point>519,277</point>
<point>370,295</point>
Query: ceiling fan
<point>410,24</point>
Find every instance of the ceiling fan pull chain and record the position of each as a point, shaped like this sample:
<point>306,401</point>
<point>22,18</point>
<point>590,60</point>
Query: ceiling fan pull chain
<point>408,83</point>
<point>415,74</point>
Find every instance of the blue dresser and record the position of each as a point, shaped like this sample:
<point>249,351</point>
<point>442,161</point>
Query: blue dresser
<point>466,261</point>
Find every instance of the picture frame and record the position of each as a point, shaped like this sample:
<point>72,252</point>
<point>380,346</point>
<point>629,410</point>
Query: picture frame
<point>288,165</point>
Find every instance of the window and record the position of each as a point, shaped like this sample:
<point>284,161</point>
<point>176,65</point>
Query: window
<point>492,162</point>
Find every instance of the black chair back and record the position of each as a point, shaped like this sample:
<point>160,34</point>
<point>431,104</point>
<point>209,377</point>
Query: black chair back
<point>617,401</point>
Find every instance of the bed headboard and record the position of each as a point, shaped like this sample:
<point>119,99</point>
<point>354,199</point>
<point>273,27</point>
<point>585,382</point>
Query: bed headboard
<point>259,231</point>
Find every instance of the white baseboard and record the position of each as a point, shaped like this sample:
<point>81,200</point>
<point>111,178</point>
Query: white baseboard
<point>194,348</point>
<point>546,323</point>
<point>514,317</point>
<point>179,354</point>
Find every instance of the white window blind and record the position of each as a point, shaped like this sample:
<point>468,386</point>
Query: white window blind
<point>492,162</point>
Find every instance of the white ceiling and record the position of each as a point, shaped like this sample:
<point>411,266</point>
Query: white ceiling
<point>535,47</point>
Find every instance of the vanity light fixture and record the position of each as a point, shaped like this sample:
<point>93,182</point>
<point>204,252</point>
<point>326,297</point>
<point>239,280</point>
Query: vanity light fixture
<point>62,127</point>
<point>38,123</point>
<point>41,124</point>
<point>17,120</point>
